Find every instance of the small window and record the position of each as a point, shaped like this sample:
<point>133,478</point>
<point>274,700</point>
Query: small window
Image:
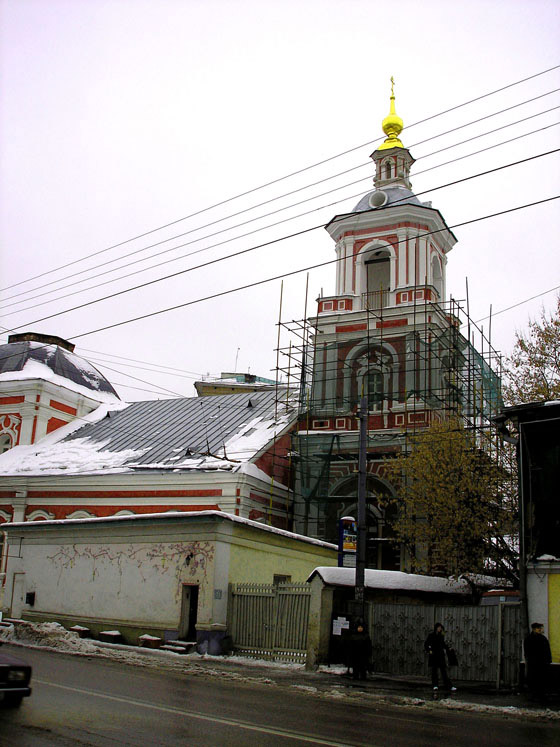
<point>388,170</point>
<point>5,442</point>
<point>280,579</point>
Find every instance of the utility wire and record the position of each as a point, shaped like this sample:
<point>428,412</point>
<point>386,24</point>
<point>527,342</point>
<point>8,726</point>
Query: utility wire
<point>266,202</point>
<point>269,243</point>
<point>161,372</point>
<point>296,272</point>
<point>258,246</point>
<point>501,311</point>
<point>515,305</point>
<point>287,176</point>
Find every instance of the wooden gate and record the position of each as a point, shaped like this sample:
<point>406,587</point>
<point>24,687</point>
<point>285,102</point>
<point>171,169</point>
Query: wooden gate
<point>487,639</point>
<point>269,621</point>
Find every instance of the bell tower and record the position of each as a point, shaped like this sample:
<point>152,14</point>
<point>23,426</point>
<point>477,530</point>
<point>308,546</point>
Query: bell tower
<point>378,335</point>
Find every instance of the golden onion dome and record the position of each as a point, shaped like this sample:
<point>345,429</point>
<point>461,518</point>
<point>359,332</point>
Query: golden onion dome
<point>392,125</point>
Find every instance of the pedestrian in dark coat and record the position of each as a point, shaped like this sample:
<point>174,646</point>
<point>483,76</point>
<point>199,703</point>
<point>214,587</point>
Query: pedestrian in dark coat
<point>359,652</point>
<point>538,658</point>
<point>436,648</point>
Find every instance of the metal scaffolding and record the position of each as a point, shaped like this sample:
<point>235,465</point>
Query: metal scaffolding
<point>441,375</point>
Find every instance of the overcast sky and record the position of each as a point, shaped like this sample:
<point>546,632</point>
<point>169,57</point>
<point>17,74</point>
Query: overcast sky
<point>119,117</point>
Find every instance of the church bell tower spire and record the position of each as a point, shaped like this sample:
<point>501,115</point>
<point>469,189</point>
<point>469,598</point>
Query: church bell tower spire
<point>392,125</point>
<point>392,160</point>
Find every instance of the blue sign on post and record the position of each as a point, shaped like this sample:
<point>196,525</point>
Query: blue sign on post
<point>347,542</point>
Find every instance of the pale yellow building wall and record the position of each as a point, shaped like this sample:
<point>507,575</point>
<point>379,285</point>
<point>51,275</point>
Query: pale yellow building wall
<point>250,560</point>
<point>554,615</point>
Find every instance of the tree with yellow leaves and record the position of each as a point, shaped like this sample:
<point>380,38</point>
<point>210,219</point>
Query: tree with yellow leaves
<point>453,515</point>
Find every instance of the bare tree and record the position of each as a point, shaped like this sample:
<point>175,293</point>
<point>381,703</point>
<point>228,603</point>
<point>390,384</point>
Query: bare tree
<point>533,370</point>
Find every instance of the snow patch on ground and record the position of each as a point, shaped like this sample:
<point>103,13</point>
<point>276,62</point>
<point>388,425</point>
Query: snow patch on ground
<point>50,635</point>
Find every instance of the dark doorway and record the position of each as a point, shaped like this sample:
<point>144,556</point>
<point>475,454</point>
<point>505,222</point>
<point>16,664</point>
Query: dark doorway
<point>189,607</point>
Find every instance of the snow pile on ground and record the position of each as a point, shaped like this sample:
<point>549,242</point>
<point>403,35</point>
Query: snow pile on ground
<point>49,635</point>
<point>542,715</point>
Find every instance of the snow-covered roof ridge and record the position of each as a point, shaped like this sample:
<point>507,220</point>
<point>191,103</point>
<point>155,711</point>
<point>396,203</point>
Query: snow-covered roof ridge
<point>395,580</point>
<point>171,515</point>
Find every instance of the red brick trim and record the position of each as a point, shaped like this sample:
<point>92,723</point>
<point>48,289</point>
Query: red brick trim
<point>62,512</point>
<point>55,423</point>
<point>392,323</point>
<point>63,408</point>
<point>11,400</point>
<point>211,492</point>
<point>350,327</point>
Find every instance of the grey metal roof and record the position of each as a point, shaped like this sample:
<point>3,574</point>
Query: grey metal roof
<point>172,430</point>
<point>395,196</point>
<point>15,355</point>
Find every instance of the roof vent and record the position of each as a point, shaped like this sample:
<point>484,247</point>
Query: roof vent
<point>249,404</point>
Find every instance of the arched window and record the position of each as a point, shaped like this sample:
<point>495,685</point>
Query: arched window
<point>81,514</point>
<point>388,170</point>
<point>382,550</point>
<point>375,390</point>
<point>39,515</point>
<point>378,278</point>
<point>5,442</point>
<point>437,277</point>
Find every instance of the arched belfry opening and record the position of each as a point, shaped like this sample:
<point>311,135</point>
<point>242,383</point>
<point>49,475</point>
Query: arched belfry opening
<point>437,277</point>
<point>376,277</point>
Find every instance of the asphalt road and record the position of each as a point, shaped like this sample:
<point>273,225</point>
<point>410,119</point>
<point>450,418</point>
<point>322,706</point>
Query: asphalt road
<point>85,701</point>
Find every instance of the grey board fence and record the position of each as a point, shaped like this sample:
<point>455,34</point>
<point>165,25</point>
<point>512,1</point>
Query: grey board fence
<point>487,640</point>
<point>270,621</point>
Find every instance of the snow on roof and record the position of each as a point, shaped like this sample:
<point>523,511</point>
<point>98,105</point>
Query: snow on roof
<point>185,516</point>
<point>68,457</point>
<point>214,433</point>
<point>32,360</point>
<point>396,580</point>
<point>50,456</point>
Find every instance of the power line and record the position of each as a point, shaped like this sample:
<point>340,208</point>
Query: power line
<point>515,305</point>
<point>251,220</point>
<point>269,243</point>
<point>296,272</point>
<point>287,176</point>
<point>143,368</point>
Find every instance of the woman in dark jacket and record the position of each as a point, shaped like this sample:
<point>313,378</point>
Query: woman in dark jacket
<point>436,647</point>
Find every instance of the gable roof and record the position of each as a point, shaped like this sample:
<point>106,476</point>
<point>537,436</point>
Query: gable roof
<point>221,432</point>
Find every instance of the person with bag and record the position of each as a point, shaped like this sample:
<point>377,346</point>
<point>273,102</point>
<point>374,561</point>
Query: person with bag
<point>360,651</point>
<point>437,648</point>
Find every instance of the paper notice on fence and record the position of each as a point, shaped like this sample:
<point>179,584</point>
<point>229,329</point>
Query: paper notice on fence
<point>340,624</point>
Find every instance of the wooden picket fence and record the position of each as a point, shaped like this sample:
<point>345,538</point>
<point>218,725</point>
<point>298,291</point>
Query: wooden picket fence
<point>269,621</point>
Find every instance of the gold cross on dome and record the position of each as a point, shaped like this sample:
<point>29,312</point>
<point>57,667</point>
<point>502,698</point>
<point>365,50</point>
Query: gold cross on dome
<point>392,86</point>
